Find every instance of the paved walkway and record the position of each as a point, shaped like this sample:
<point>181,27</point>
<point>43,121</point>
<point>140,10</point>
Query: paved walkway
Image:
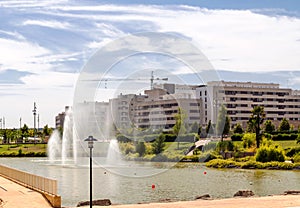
<point>288,201</point>
<point>13,195</point>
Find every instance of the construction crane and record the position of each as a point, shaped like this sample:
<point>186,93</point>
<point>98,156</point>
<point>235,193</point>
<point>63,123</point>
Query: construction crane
<point>152,79</point>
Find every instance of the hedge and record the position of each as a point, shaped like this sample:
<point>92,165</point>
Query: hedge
<point>280,137</point>
<point>237,137</point>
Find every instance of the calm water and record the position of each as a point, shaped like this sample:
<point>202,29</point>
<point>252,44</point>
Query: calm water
<point>183,183</point>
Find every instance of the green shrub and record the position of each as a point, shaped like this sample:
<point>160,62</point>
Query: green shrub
<point>140,148</point>
<point>237,137</point>
<point>220,163</point>
<point>225,146</point>
<point>280,137</point>
<point>248,140</point>
<point>170,137</point>
<point>192,158</point>
<point>158,145</point>
<point>126,148</point>
<point>296,158</point>
<point>292,151</point>
<point>269,153</point>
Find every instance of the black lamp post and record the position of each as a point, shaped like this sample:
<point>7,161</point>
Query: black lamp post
<point>90,141</point>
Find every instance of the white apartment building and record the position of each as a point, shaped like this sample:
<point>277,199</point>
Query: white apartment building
<point>240,97</point>
<point>157,109</point>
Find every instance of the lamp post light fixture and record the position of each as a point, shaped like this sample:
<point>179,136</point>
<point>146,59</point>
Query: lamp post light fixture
<point>90,141</point>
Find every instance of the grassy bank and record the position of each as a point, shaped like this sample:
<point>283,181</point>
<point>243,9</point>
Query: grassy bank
<point>252,164</point>
<point>23,150</point>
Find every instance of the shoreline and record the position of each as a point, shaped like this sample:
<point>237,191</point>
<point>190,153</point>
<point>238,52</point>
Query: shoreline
<point>15,195</point>
<point>274,201</point>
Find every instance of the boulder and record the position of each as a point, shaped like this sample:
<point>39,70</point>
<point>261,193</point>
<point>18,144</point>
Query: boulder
<point>244,193</point>
<point>204,197</point>
<point>292,192</point>
<point>99,202</point>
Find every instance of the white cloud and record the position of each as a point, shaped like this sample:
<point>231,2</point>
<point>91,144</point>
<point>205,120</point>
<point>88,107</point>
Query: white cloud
<point>51,24</point>
<point>239,40</point>
<point>21,55</point>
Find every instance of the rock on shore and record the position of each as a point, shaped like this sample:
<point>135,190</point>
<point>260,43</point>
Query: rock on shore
<point>99,202</point>
<point>244,193</point>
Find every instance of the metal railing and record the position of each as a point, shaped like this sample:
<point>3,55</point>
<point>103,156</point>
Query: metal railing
<point>29,180</point>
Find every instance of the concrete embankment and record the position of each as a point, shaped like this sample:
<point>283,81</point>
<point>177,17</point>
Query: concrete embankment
<point>13,195</point>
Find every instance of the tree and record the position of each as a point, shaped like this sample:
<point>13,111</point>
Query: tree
<point>158,144</point>
<point>25,131</point>
<point>179,127</point>
<point>238,129</point>
<point>269,127</point>
<point>194,128</point>
<point>284,125</point>
<point>223,123</point>
<point>140,148</point>
<point>46,130</point>
<point>255,121</point>
<point>209,128</point>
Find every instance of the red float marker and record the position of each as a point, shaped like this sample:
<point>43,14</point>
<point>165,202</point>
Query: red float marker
<point>204,172</point>
<point>153,186</point>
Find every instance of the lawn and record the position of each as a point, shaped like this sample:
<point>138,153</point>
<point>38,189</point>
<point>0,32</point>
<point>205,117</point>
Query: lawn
<point>287,144</point>
<point>10,148</point>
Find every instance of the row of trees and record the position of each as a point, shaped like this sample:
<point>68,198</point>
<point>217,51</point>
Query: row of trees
<point>17,135</point>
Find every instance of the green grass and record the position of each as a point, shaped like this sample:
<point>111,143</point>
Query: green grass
<point>11,149</point>
<point>287,144</point>
<point>284,144</point>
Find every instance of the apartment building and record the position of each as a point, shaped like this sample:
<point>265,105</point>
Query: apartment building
<point>240,97</point>
<point>157,109</point>
<point>60,118</point>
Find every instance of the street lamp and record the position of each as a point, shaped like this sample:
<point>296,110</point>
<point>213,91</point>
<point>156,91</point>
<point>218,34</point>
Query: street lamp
<point>90,141</point>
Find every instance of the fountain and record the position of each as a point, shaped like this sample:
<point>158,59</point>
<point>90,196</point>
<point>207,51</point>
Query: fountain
<point>67,140</point>
<point>54,147</point>
<point>114,156</point>
<point>86,123</point>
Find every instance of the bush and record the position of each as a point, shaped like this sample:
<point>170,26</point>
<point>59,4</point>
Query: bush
<point>220,163</point>
<point>140,148</point>
<point>296,158</point>
<point>249,140</point>
<point>292,151</point>
<point>192,158</point>
<point>268,154</point>
<point>122,138</point>
<point>126,148</point>
<point>225,146</point>
<point>237,137</point>
<point>158,145</point>
<point>280,137</point>
<point>170,137</point>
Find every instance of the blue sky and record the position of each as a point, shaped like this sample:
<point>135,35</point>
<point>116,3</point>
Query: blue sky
<point>45,44</point>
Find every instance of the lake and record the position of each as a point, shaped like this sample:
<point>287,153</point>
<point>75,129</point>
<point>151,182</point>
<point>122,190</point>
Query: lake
<point>132,183</point>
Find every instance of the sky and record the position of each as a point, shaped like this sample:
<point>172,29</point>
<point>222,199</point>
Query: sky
<point>44,45</point>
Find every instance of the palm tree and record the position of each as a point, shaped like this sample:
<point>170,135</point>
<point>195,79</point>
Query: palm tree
<point>256,119</point>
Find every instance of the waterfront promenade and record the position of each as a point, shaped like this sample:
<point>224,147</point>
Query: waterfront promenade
<point>13,195</point>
